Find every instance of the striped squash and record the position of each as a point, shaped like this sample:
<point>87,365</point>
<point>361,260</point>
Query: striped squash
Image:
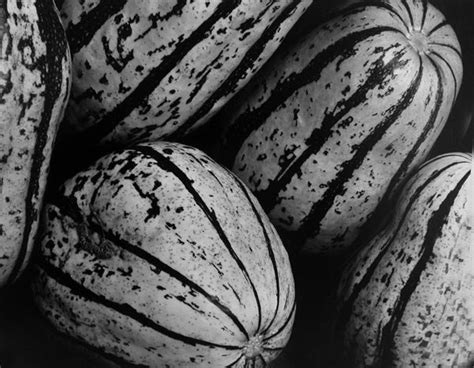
<point>150,70</point>
<point>407,298</point>
<point>338,120</point>
<point>159,256</point>
<point>35,68</point>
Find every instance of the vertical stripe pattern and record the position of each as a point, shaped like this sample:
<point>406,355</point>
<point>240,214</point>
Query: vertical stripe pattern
<point>163,68</point>
<point>332,126</point>
<point>170,251</point>
<point>406,297</point>
<point>33,101</point>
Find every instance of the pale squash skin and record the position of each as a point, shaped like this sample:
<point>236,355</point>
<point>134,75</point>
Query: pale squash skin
<point>35,77</point>
<point>408,296</point>
<point>163,68</point>
<point>160,257</point>
<point>334,123</point>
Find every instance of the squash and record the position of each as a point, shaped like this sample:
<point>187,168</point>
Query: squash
<point>155,70</point>
<point>158,256</point>
<point>338,120</point>
<point>406,298</point>
<point>35,68</point>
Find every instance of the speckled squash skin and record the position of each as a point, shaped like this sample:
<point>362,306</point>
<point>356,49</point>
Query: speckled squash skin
<point>161,257</point>
<point>407,299</point>
<point>338,120</point>
<point>35,68</point>
<point>148,70</point>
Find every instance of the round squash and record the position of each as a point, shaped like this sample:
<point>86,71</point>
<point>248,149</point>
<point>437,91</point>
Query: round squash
<point>339,119</point>
<point>35,68</point>
<point>159,256</point>
<point>406,299</point>
<point>152,70</point>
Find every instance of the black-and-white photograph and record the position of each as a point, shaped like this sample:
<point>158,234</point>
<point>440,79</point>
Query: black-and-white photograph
<point>236,184</point>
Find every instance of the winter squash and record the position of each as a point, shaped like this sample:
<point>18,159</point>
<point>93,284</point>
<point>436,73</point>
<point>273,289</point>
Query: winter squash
<point>157,69</point>
<point>34,87</point>
<point>338,120</point>
<point>406,297</point>
<point>158,256</point>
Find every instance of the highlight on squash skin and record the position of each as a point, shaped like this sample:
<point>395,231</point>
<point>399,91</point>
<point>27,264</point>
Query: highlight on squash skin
<point>169,251</point>
<point>332,126</point>
<point>405,296</point>
<point>188,74</point>
<point>34,87</point>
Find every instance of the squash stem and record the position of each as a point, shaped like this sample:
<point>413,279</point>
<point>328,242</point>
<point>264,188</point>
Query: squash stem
<point>419,42</point>
<point>253,353</point>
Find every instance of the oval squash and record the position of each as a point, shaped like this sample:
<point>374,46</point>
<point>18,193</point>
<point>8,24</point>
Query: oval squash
<point>407,297</point>
<point>35,68</point>
<point>338,120</point>
<point>150,70</point>
<point>160,257</point>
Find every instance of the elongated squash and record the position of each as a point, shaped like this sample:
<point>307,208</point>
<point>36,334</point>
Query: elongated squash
<point>160,257</point>
<point>338,120</point>
<point>407,298</point>
<point>35,68</point>
<point>152,70</point>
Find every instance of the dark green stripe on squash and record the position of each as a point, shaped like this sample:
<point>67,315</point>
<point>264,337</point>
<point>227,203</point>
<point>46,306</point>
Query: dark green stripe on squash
<point>78,289</point>
<point>270,253</point>
<point>109,239</point>
<point>404,168</point>
<point>191,272</point>
<point>292,137</point>
<point>250,121</point>
<point>285,323</point>
<point>80,34</point>
<point>176,91</point>
<point>346,308</point>
<point>404,296</point>
<point>155,76</point>
<point>436,223</point>
<point>168,165</point>
<point>34,90</point>
<point>51,32</point>
<point>310,224</point>
<point>229,86</point>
